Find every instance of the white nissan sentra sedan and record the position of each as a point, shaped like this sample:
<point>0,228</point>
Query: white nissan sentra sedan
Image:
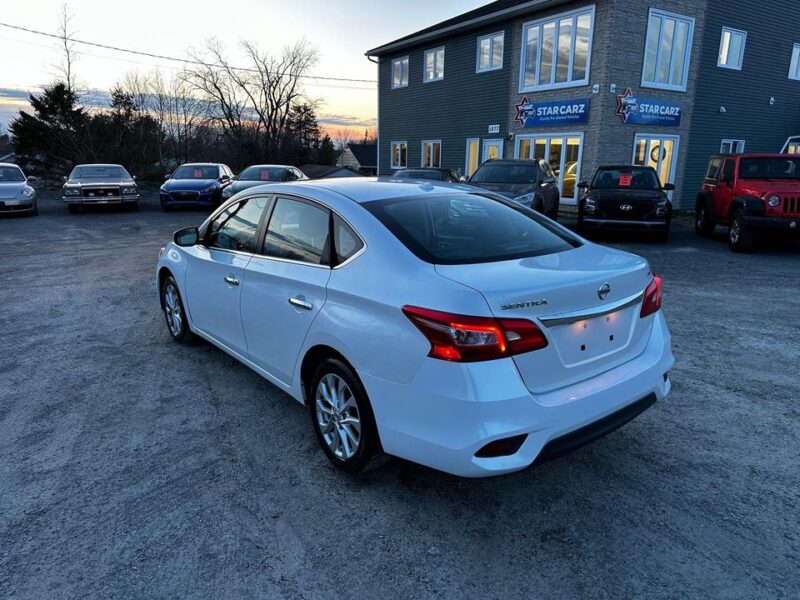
<point>438,323</point>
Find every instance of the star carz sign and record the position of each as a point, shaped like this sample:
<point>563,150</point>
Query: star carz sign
<point>647,111</point>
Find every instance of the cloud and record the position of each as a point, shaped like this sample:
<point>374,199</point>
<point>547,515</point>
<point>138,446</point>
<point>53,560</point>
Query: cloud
<point>346,121</point>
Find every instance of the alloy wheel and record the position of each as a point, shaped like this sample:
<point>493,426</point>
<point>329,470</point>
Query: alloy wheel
<point>338,416</point>
<point>172,309</point>
<point>735,232</point>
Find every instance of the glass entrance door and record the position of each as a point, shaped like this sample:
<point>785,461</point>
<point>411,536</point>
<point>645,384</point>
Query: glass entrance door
<point>659,152</point>
<point>492,149</point>
<point>563,152</point>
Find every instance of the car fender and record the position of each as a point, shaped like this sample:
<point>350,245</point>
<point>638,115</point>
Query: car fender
<point>175,261</point>
<point>752,205</point>
<point>704,199</point>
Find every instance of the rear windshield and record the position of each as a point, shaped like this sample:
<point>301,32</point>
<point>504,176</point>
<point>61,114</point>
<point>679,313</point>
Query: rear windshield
<point>11,174</point>
<point>625,178</point>
<point>505,173</point>
<point>454,229</point>
<point>262,174</point>
<point>432,175</point>
<point>769,168</point>
<point>90,172</point>
<point>196,172</point>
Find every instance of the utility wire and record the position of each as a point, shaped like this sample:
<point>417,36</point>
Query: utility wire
<point>171,58</point>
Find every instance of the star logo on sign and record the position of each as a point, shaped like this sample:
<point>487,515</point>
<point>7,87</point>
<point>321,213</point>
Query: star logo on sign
<point>522,111</point>
<point>626,104</point>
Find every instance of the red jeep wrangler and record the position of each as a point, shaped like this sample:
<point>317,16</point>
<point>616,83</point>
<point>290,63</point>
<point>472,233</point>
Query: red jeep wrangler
<point>749,193</point>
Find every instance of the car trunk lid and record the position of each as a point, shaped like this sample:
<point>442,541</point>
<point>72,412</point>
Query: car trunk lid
<point>586,301</point>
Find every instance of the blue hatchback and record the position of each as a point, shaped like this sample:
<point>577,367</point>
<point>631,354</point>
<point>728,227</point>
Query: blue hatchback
<point>196,184</point>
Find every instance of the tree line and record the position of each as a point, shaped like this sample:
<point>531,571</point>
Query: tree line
<point>209,111</point>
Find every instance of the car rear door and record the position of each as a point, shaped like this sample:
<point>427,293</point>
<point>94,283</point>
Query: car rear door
<point>285,284</point>
<point>216,270</point>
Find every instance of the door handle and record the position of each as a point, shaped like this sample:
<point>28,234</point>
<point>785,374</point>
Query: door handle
<point>300,303</point>
<point>231,280</point>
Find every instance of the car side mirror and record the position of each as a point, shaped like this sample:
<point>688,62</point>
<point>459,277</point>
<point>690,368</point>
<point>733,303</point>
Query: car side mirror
<point>548,180</point>
<point>668,187</point>
<point>188,236</point>
<point>64,178</point>
<point>584,185</point>
<point>464,179</point>
<point>133,177</point>
<point>224,178</point>
<point>32,178</point>
<point>167,176</point>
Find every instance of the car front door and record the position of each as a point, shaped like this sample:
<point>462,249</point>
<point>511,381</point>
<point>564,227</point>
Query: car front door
<point>285,284</point>
<point>723,192</point>
<point>216,270</point>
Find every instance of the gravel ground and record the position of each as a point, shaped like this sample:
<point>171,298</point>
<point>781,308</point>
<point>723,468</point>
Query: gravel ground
<point>134,467</point>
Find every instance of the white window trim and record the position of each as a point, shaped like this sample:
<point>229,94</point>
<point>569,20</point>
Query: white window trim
<point>792,139</point>
<point>731,142</point>
<point>676,139</point>
<point>565,84</point>
<point>395,61</point>
<point>732,31</point>
<point>687,60</point>
<point>422,154</point>
<point>433,51</point>
<point>794,65</point>
<point>490,37</point>
<point>466,154</point>
<point>392,144</point>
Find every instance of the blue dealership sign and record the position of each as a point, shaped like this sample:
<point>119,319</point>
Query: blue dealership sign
<point>555,112</point>
<point>648,111</point>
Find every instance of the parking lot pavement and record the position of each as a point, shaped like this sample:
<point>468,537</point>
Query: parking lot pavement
<point>134,467</point>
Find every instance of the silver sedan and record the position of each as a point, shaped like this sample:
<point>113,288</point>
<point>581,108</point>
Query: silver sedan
<point>16,195</point>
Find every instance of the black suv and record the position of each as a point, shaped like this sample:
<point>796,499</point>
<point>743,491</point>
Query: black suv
<point>532,183</point>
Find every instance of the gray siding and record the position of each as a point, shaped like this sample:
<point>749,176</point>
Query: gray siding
<point>462,105</point>
<point>772,27</point>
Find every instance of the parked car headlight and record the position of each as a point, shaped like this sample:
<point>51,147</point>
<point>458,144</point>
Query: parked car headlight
<point>72,191</point>
<point>129,190</point>
<point>27,192</point>
<point>525,199</point>
<point>774,201</point>
<point>590,206</point>
<point>210,189</point>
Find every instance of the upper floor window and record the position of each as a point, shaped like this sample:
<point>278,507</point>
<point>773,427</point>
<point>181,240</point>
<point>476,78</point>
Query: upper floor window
<point>667,51</point>
<point>731,48</point>
<point>490,52</point>
<point>400,72</point>
<point>556,51</point>
<point>399,155</point>
<point>432,154</point>
<point>794,67</point>
<point>731,147</point>
<point>434,64</point>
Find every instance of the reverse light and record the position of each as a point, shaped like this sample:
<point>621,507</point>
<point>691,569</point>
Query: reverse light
<point>462,338</point>
<point>652,297</point>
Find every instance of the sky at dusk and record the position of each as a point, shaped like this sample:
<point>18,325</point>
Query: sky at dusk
<point>340,31</point>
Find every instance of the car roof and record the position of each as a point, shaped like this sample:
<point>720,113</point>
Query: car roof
<point>755,155</point>
<point>366,189</point>
<point>200,164</point>
<point>511,161</point>
<point>99,165</point>
<point>10,165</point>
<point>269,167</point>
<point>625,167</point>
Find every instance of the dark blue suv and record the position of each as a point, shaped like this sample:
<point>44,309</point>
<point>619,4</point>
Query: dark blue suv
<point>196,184</point>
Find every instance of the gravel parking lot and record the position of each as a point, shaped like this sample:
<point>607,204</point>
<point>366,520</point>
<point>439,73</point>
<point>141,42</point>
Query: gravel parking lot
<point>134,467</point>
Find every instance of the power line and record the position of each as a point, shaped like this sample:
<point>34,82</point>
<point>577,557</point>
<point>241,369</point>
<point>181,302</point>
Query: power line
<point>170,58</point>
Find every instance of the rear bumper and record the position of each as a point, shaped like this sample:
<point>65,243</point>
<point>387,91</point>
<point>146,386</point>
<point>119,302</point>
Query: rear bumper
<point>623,225</point>
<point>450,411</point>
<point>787,225</point>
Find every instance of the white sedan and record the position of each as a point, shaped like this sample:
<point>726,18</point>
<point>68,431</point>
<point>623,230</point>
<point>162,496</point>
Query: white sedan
<point>438,323</point>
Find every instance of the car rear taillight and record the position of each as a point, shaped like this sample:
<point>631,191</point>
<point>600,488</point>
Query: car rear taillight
<point>462,338</point>
<point>652,297</point>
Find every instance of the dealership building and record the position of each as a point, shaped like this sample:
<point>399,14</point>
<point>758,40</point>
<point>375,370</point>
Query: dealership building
<point>664,83</point>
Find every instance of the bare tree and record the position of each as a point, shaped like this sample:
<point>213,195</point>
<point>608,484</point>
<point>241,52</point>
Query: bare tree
<point>67,45</point>
<point>342,137</point>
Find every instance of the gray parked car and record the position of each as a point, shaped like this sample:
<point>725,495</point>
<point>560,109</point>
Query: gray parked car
<point>532,183</point>
<point>16,195</point>
<point>260,175</point>
<point>100,184</point>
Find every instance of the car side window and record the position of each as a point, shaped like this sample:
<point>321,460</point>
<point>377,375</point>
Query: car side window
<point>727,170</point>
<point>713,169</point>
<point>298,231</point>
<point>235,227</point>
<point>345,241</point>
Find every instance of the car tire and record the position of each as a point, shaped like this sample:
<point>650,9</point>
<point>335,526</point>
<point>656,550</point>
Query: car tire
<point>74,209</point>
<point>662,237</point>
<point>174,312</point>
<point>703,224</point>
<point>342,417</point>
<point>740,237</point>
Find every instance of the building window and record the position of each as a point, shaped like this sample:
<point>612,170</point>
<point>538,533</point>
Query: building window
<point>731,48</point>
<point>562,152</point>
<point>794,67</point>
<point>731,147</point>
<point>400,72</point>
<point>432,154</point>
<point>473,156</point>
<point>434,64</point>
<point>556,51</point>
<point>667,51</point>
<point>399,155</point>
<point>490,52</point>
